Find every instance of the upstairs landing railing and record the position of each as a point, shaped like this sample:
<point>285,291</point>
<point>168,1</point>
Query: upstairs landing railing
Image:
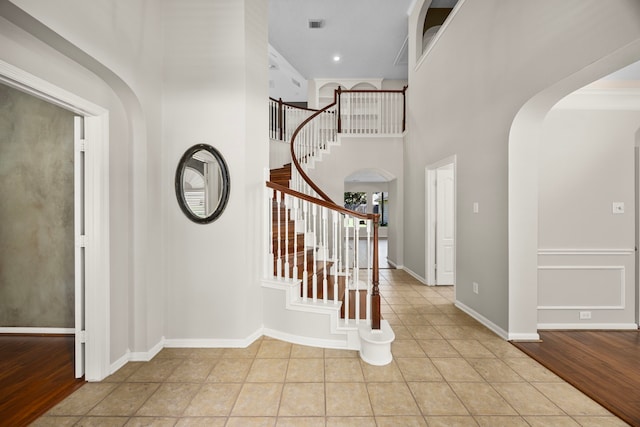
<point>331,247</point>
<point>284,119</point>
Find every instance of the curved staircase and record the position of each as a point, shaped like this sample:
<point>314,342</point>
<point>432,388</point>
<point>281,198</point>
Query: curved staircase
<point>315,291</point>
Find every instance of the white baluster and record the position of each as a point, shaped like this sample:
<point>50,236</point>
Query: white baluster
<point>294,215</point>
<point>356,269</point>
<point>325,254</point>
<point>335,256</point>
<point>305,273</point>
<point>279,262</point>
<point>314,277</point>
<point>286,237</point>
<point>271,259</point>
<point>347,218</point>
<point>369,274</point>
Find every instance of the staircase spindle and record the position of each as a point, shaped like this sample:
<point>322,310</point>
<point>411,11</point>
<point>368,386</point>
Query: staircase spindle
<point>369,277</point>
<point>325,254</point>
<point>271,259</point>
<point>347,281</point>
<point>294,214</point>
<point>335,257</point>
<point>286,233</point>
<point>314,269</point>
<point>279,263</point>
<point>356,269</point>
<point>305,272</point>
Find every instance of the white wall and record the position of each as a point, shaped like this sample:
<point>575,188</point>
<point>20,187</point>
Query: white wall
<point>195,72</point>
<point>121,45</point>
<point>215,92</point>
<point>489,60</point>
<point>383,154</point>
<point>586,257</point>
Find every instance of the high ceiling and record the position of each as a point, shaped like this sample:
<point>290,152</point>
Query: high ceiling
<point>368,35</point>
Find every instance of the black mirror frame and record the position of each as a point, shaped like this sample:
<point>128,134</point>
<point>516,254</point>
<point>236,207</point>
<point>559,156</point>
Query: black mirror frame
<point>226,184</point>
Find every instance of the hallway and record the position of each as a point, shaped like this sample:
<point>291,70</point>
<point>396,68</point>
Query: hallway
<point>447,370</point>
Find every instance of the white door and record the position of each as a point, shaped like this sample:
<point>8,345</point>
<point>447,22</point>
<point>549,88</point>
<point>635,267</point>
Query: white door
<point>445,225</point>
<point>79,226</point>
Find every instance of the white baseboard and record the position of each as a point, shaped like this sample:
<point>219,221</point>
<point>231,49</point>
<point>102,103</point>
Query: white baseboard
<point>38,331</point>
<point>394,265</point>
<point>312,342</point>
<point>415,275</point>
<point>486,322</point>
<point>523,337</point>
<point>145,356</point>
<point>588,326</point>
<point>213,343</point>
<point>115,366</point>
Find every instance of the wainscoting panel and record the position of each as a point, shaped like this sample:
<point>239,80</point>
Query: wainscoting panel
<point>586,289</point>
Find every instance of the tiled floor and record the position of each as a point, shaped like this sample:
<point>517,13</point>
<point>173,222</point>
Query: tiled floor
<point>447,371</point>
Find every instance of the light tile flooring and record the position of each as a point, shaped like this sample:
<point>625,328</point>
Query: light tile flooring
<point>448,370</point>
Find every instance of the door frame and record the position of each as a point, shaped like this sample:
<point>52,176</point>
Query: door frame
<point>97,261</point>
<point>431,215</point>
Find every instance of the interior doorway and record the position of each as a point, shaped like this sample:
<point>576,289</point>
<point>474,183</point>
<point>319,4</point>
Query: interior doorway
<point>440,224</point>
<point>95,210</point>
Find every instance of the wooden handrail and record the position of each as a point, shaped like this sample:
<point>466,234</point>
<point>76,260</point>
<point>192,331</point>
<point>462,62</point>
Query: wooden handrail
<point>295,161</point>
<point>321,202</point>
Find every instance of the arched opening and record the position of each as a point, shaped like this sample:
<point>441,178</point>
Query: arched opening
<point>431,18</point>
<point>375,191</point>
<point>525,136</point>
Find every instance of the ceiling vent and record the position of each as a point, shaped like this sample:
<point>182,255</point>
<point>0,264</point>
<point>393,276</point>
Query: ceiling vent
<point>316,23</point>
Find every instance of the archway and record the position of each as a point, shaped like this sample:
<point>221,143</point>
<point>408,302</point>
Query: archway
<point>524,136</point>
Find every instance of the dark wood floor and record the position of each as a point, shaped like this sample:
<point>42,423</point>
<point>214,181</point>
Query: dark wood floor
<point>36,372</point>
<point>604,365</point>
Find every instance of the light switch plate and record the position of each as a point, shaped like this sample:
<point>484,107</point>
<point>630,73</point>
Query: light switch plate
<point>617,207</point>
<point>476,207</point>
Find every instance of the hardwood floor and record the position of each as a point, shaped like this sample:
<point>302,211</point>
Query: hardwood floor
<point>602,364</point>
<point>36,372</point>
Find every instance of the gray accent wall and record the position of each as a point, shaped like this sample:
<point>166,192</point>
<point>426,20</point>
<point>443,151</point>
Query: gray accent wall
<point>36,212</point>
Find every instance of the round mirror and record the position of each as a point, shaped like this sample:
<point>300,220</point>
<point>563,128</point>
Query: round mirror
<point>202,183</point>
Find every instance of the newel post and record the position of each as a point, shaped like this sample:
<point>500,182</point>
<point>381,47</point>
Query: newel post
<point>375,293</point>
<point>280,118</point>
<point>404,108</point>
<point>336,98</point>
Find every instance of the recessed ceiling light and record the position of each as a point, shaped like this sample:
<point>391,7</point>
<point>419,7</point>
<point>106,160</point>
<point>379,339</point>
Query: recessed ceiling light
<point>336,58</point>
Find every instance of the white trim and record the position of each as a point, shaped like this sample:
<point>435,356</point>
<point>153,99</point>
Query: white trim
<point>587,326</point>
<point>431,215</point>
<point>302,340</point>
<point>97,272</point>
<point>115,366</point>
<point>523,337</point>
<point>489,324</point>
<point>434,40</point>
<point>35,86</point>
<point>36,330</point>
<point>415,275</point>
<point>410,8</point>
<point>598,251</point>
<point>620,268</point>
<point>212,343</point>
<point>394,265</point>
<point>145,356</point>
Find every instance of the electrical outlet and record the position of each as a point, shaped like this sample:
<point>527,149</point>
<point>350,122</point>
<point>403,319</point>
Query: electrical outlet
<point>475,288</point>
<point>585,315</point>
